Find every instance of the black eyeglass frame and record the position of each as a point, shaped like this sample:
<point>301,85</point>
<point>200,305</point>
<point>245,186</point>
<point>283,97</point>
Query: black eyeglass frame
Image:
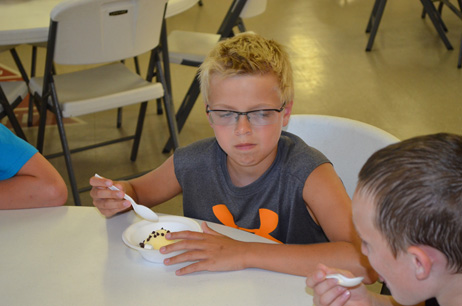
<point>208,110</point>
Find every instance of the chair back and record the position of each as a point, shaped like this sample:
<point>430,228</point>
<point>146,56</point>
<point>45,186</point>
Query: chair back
<point>347,143</point>
<point>101,31</point>
<point>253,8</point>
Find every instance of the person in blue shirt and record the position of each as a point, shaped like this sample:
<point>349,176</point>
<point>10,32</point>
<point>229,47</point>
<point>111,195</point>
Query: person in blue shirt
<point>27,179</point>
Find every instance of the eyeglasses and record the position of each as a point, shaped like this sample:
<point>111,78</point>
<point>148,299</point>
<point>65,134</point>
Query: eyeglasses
<point>255,117</point>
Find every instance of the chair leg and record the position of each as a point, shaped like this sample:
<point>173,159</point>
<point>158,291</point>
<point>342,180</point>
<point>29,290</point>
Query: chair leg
<point>139,130</point>
<point>184,110</point>
<point>42,122</point>
<point>166,63</point>
<point>440,11</point>
<point>20,66</point>
<point>168,104</point>
<point>374,22</point>
<point>372,16</point>
<point>120,109</point>
<point>459,63</point>
<point>160,110</point>
<point>119,117</point>
<point>65,145</point>
<point>172,125</point>
<point>240,25</point>
<point>8,109</point>
<point>14,122</point>
<point>33,65</point>
<point>437,21</point>
<point>137,65</point>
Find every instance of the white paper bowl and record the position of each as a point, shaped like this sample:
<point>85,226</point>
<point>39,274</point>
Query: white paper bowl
<point>136,233</point>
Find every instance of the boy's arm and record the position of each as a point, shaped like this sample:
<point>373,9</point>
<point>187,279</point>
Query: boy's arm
<point>156,186</point>
<point>211,251</point>
<point>327,292</point>
<point>150,189</point>
<point>37,184</point>
<point>330,206</point>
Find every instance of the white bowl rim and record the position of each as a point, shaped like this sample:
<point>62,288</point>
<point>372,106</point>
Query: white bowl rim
<point>192,224</point>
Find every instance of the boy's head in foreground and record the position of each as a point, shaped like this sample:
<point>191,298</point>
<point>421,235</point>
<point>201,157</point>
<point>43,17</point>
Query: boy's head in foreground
<point>407,209</point>
<point>247,86</point>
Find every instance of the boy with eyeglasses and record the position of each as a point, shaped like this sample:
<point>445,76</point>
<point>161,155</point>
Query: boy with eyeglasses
<point>407,209</point>
<point>251,175</point>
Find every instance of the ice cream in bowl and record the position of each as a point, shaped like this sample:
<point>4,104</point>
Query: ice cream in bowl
<point>148,237</point>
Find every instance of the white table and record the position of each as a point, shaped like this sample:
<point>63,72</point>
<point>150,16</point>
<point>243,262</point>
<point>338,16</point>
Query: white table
<point>27,21</point>
<point>24,21</point>
<point>74,256</point>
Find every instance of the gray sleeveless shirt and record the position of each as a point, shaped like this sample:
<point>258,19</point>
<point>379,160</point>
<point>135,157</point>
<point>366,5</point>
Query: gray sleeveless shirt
<point>272,206</point>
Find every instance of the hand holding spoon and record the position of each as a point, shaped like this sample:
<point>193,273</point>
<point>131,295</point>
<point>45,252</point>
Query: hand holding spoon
<point>143,211</point>
<point>345,281</point>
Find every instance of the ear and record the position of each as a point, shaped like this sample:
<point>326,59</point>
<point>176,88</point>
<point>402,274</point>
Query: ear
<point>287,111</point>
<point>421,262</point>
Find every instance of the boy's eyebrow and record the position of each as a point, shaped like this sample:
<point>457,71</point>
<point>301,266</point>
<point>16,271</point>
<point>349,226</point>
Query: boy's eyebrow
<point>263,105</point>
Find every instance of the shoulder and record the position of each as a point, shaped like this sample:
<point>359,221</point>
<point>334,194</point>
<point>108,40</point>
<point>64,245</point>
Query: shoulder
<point>197,152</point>
<point>198,147</point>
<point>15,152</point>
<point>13,144</point>
<point>298,158</point>
<point>293,146</point>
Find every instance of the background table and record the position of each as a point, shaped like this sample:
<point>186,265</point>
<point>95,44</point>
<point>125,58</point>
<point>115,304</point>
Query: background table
<point>27,21</point>
<point>74,256</point>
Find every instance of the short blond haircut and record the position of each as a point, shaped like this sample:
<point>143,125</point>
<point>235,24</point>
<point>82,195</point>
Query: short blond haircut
<point>248,54</point>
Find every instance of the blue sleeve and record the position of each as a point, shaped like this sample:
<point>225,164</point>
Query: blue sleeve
<point>14,153</point>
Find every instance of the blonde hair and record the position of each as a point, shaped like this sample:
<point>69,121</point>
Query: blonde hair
<point>248,53</point>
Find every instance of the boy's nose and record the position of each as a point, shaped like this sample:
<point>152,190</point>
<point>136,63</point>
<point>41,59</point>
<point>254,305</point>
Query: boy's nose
<point>243,125</point>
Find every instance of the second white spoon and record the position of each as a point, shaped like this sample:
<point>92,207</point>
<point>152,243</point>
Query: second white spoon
<point>345,281</point>
<point>143,211</point>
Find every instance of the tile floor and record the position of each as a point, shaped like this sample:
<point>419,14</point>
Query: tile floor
<point>408,85</point>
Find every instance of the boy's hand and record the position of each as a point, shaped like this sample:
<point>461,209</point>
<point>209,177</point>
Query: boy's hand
<point>327,292</point>
<point>109,202</point>
<point>211,250</point>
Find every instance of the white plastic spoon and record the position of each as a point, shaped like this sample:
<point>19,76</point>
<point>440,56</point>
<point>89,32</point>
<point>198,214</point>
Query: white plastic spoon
<point>345,281</point>
<point>143,211</point>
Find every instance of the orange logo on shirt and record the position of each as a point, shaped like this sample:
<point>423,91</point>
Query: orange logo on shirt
<point>268,221</point>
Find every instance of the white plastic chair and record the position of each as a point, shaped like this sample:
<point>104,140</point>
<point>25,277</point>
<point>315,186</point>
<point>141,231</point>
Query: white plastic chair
<point>176,7</point>
<point>191,48</point>
<point>347,143</point>
<point>12,93</point>
<point>85,32</point>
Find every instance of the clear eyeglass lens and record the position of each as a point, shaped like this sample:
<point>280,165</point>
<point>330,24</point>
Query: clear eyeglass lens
<point>262,117</point>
